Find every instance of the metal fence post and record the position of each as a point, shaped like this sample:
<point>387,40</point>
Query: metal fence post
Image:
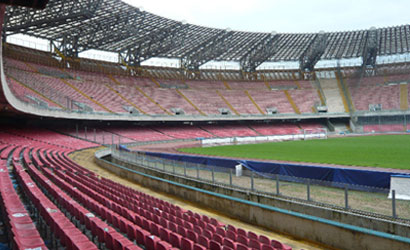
<point>213,175</point>
<point>230,177</point>
<point>173,167</point>
<point>308,190</point>
<point>277,185</point>
<point>112,138</point>
<point>393,202</point>
<point>346,197</point>
<point>197,171</point>
<point>185,168</point>
<point>163,164</point>
<point>95,137</point>
<point>252,184</point>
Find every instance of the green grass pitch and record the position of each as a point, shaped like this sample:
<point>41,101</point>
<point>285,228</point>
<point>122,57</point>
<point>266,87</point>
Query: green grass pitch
<point>386,151</point>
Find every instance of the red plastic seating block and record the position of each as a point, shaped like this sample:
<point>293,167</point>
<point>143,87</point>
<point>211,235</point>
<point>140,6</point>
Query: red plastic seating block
<point>254,244</point>
<point>240,246</point>
<point>264,240</point>
<point>187,244</point>
<point>267,247</point>
<point>213,245</point>
<point>279,245</point>
<point>175,240</point>
<point>151,242</point>
<point>252,235</point>
<point>199,247</point>
<point>203,241</point>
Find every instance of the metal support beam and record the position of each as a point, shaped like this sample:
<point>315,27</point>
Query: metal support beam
<point>39,4</point>
<point>68,46</point>
<point>206,51</point>
<point>154,44</point>
<point>370,52</point>
<point>24,20</point>
<point>261,52</point>
<point>313,52</point>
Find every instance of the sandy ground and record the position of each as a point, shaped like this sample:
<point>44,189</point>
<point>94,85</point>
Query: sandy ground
<point>86,159</point>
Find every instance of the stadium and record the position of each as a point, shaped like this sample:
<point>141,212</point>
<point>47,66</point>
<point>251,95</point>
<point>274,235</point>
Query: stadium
<point>118,154</point>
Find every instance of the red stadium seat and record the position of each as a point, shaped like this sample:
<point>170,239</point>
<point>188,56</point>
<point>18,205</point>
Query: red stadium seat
<point>213,245</point>
<point>187,244</point>
<point>278,245</point>
<point>199,247</point>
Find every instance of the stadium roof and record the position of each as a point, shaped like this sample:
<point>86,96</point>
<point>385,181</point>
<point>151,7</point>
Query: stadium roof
<point>112,25</point>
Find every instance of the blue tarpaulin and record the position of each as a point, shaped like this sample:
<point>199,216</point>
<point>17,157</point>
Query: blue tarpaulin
<point>377,179</point>
<point>123,148</point>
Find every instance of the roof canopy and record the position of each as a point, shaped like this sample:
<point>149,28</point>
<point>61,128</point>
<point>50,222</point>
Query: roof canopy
<point>112,25</point>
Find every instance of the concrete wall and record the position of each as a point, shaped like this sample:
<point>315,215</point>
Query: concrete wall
<point>302,226</point>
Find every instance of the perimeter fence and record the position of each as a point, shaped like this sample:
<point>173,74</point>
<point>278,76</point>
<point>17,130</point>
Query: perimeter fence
<point>348,197</point>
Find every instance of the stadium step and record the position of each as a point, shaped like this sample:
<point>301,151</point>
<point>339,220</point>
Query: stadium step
<point>292,103</point>
<point>226,85</point>
<point>404,102</point>
<point>31,66</point>
<point>267,85</point>
<point>297,84</point>
<point>85,95</point>
<point>152,100</point>
<point>227,103</point>
<point>156,82</point>
<point>265,81</point>
<point>112,78</point>
<point>346,97</point>
<point>190,102</point>
<point>38,93</point>
<point>254,103</point>
<point>254,130</point>
<point>322,99</point>
<point>125,99</point>
<point>333,96</point>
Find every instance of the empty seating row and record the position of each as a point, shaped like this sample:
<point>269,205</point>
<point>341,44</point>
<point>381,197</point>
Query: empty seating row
<point>93,201</point>
<point>98,228</point>
<point>387,96</point>
<point>21,230</point>
<point>277,129</point>
<point>69,236</point>
<point>229,130</point>
<point>207,226</point>
<point>152,223</point>
<point>118,94</point>
<point>183,132</point>
<point>40,136</point>
<point>383,128</point>
<point>131,134</point>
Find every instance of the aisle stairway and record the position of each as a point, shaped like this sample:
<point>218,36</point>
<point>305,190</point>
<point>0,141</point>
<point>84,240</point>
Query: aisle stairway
<point>333,96</point>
